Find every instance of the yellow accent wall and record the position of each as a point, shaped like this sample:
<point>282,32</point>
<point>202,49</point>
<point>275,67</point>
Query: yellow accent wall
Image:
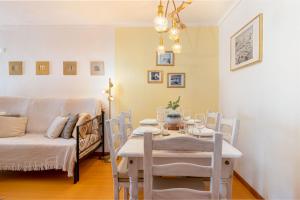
<point>135,55</point>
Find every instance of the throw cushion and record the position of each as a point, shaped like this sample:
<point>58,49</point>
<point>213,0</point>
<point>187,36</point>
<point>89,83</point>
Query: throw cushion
<point>2,113</point>
<point>83,117</point>
<point>12,126</point>
<point>56,127</point>
<point>69,127</point>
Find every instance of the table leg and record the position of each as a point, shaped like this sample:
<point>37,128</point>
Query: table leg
<point>133,178</point>
<point>229,188</point>
<point>226,187</point>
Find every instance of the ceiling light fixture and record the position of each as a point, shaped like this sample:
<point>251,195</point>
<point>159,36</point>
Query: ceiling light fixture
<point>174,31</point>
<point>160,21</point>
<point>161,24</point>
<point>177,47</point>
<point>161,46</point>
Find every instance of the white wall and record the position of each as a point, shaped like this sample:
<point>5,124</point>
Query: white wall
<point>266,97</point>
<point>56,44</point>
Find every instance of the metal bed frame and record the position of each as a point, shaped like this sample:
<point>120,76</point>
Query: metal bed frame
<point>95,126</point>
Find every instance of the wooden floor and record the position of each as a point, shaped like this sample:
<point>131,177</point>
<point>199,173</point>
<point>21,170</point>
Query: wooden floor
<point>95,183</point>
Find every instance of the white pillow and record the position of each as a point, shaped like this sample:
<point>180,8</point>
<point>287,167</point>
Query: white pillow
<point>56,127</point>
<point>2,113</point>
<point>12,126</point>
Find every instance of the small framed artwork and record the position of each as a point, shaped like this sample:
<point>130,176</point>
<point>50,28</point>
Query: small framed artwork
<point>165,59</point>
<point>155,76</point>
<point>70,68</point>
<point>42,68</point>
<point>176,80</point>
<point>246,46</point>
<point>97,68</point>
<point>15,68</point>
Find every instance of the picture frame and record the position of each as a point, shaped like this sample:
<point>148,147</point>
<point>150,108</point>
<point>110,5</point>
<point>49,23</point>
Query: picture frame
<point>97,68</point>
<point>70,68</point>
<point>246,45</point>
<point>42,68</point>
<point>154,76</point>
<point>165,59</point>
<point>15,68</point>
<point>176,80</point>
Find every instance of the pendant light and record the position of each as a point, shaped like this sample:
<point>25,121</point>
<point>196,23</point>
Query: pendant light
<point>161,46</point>
<point>174,31</point>
<point>177,47</point>
<point>160,21</point>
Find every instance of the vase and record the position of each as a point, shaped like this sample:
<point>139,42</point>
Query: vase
<point>173,117</point>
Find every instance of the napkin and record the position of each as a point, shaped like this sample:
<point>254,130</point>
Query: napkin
<point>201,132</point>
<point>149,122</point>
<point>144,129</point>
<point>207,131</point>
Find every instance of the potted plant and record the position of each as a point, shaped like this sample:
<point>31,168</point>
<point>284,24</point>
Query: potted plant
<point>173,116</point>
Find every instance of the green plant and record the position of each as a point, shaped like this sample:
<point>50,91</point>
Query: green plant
<point>174,104</point>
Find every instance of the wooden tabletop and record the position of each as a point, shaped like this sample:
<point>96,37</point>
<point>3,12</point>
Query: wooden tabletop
<point>134,147</point>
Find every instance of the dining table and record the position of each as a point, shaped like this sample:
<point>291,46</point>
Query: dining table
<point>133,150</point>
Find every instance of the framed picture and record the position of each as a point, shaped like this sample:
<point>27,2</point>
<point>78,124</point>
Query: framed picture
<point>165,59</point>
<point>176,80</point>
<point>97,68</point>
<point>42,68</point>
<point>15,68</point>
<point>246,46</point>
<point>155,76</point>
<point>70,68</point>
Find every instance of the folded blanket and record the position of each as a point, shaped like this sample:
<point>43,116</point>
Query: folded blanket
<point>34,152</point>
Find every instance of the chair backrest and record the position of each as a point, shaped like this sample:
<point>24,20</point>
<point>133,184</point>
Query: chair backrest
<point>186,144</point>
<point>230,129</point>
<point>212,120</point>
<point>114,142</point>
<point>126,128</point>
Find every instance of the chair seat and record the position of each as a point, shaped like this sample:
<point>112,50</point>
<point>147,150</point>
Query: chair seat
<point>123,171</point>
<point>181,182</point>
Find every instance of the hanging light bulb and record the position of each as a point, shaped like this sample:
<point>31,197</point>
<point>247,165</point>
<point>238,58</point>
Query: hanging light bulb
<point>174,31</point>
<point>161,46</point>
<point>177,47</point>
<point>160,21</point>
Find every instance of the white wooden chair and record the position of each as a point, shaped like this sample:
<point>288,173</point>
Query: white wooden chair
<point>126,128</point>
<point>119,171</point>
<point>230,129</point>
<point>186,144</point>
<point>212,120</point>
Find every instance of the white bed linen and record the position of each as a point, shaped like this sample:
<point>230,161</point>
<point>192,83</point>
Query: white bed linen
<point>33,152</point>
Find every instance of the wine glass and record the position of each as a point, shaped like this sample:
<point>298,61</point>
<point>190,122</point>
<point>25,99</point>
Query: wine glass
<point>160,117</point>
<point>200,120</point>
<point>185,117</point>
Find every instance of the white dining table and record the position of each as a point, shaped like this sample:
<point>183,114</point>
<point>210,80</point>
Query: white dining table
<point>133,149</point>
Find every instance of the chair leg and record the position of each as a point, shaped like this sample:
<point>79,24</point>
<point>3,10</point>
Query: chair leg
<point>126,193</point>
<point>116,191</point>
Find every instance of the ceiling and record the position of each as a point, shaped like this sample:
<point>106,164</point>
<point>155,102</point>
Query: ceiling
<point>106,12</point>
